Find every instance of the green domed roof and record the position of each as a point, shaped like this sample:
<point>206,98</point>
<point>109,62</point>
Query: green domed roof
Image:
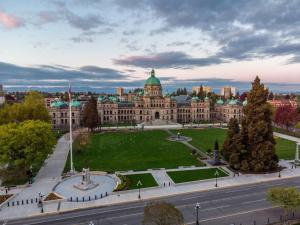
<point>220,102</point>
<point>58,103</point>
<point>232,102</point>
<point>195,98</point>
<point>206,99</point>
<point>100,98</point>
<point>152,80</point>
<point>75,103</point>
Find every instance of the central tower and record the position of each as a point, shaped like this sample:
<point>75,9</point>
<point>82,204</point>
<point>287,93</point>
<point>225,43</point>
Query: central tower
<point>152,86</point>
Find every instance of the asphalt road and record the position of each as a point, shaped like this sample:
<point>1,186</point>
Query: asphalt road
<point>246,205</point>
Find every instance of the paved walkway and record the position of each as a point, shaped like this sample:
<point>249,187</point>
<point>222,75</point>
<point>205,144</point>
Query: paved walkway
<point>48,176</point>
<point>284,136</point>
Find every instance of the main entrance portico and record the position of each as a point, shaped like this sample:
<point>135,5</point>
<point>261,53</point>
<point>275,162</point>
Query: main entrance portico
<point>156,115</point>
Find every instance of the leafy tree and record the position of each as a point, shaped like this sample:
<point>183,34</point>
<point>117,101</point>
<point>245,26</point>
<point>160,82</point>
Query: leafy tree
<point>286,116</point>
<point>243,96</point>
<point>162,213</point>
<point>90,115</point>
<point>258,127</point>
<point>286,198</point>
<point>25,144</point>
<point>33,108</point>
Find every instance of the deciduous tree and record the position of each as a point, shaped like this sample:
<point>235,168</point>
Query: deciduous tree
<point>286,116</point>
<point>286,198</point>
<point>162,213</point>
<point>25,144</point>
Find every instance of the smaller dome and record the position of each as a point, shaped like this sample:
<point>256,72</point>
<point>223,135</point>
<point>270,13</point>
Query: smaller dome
<point>58,104</point>
<point>220,102</point>
<point>100,98</point>
<point>75,103</point>
<point>195,98</point>
<point>206,99</point>
<point>113,98</point>
<point>245,102</point>
<point>232,102</point>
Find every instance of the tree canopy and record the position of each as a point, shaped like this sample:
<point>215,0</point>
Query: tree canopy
<point>286,198</point>
<point>90,114</point>
<point>25,144</point>
<point>286,116</point>
<point>162,213</point>
<point>33,108</point>
<point>253,147</point>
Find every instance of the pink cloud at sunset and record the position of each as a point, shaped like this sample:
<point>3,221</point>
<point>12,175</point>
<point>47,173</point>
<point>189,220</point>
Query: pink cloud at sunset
<point>9,21</point>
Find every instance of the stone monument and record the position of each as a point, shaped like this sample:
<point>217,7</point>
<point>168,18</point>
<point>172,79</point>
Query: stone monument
<point>216,160</point>
<point>86,182</point>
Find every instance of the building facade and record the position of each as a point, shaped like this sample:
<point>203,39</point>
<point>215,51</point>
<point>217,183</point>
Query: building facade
<point>147,106</point>
<point>150,104</point>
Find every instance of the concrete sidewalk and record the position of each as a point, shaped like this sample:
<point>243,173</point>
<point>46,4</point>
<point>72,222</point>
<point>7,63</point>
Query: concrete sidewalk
<point>151,193</point>
<point>288,137</point>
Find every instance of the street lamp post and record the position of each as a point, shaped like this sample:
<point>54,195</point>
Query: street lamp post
<point>139,184</point>
<point>197,212</point>
<point>40,203</point>
<point>216,174</point>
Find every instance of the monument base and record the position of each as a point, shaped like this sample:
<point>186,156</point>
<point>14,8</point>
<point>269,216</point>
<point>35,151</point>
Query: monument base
<point>84,187</point>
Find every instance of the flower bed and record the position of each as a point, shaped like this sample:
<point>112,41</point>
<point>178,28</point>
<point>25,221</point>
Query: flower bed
<point>3,198</point>
<point>52,196</point>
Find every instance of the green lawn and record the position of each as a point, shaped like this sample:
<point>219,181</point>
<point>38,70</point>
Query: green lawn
<point>133,150</point>
<point>193,175</point>
<point>204,139</point>
<point>285,149</point>
<point>146,179</point>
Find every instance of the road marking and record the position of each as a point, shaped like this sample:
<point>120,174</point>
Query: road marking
<point>240,190</point>
<point>234,214</point>
<point>249,202</point>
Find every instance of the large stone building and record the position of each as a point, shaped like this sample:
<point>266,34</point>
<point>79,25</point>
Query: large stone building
<point>148,106</point>
<point>60,114</point>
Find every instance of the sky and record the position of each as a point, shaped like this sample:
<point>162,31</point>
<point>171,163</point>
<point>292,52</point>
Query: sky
<point>99,45</point>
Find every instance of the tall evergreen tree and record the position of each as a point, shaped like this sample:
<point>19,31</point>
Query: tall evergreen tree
<point>233,131</point>
<point>90,115</point>
<point>258,126</point>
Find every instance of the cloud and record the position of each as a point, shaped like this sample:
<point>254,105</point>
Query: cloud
<point>63,13</point>
<point>11,74</point>
<point>178,43</point>
<point>10,21</point>
<point>244,30</point>
<point>167,60</point>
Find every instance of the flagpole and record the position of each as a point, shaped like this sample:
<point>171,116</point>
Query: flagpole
<point>71,134</point>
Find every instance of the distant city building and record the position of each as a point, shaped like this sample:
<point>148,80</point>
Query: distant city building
<point>2,95</point>
<point>120,91</point>
<point>283,102</point>
<point>228,91</point>
<point>206,89</point>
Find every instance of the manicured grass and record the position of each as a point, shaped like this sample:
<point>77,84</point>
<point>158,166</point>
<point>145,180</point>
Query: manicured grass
<point>285,149</point>
<point>204,139</point>
<point>193,175</point>
<point>146,179</point>
<point>133,150</point>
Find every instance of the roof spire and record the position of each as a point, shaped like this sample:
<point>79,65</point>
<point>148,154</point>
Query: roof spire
<point>152,73</point>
